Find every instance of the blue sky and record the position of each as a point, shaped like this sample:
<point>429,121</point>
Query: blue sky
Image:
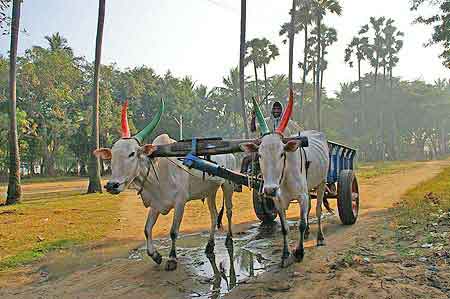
<point>200,38</point>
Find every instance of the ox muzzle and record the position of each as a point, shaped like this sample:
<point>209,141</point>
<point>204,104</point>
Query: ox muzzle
<point>270,190</point>
<point>113,187</point>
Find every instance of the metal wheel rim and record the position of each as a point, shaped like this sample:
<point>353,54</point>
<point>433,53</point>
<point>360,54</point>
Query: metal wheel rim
<point>355,198</point>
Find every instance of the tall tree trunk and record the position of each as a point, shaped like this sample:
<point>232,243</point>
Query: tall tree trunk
<point>266,87</point>
<point>319,20</point>
<point>314,120</point>
<point>395,134</point>
<point>256,78</point>
<point>94,167</point>
<point>291,45</point>
<point>376,73</point>
<point>361,116</point>
<point>14,187</point>
<point>305,72</point>
<point>242,64</point>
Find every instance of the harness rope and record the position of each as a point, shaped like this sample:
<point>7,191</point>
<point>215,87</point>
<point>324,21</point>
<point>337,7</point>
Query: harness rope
<point>156,174</point>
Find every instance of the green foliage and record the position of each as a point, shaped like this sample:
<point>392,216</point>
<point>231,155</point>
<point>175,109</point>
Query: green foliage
<point>441,25</point>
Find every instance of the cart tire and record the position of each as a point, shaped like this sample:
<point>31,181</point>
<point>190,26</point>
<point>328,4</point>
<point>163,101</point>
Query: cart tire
<point>348,197</point>
<point>264,207</point>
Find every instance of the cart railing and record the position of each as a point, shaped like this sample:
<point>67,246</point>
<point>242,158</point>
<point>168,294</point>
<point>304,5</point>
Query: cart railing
<point>341,157</point>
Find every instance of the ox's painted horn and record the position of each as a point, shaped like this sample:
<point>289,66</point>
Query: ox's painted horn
<point>151,126</point>
<point>260,117</point>
<point>125,128</point>
<point>287,114</point>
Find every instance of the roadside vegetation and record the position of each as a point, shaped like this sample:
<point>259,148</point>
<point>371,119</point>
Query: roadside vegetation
<point>33,228</point>
<point>407,254</point>
<point>371,170</point>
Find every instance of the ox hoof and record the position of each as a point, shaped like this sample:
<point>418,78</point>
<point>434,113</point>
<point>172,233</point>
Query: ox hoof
<point>209,247</point>
<point>306,234</point>
<point>287,261</point>
<point>171,265</point>
<point>299,253</point>
<point>156,257</point>
<point>229,241</point>
<point>320,242</point>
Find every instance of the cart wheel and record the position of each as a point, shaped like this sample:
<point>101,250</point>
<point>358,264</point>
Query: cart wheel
<point>264,207</point>
<point>348,197</point>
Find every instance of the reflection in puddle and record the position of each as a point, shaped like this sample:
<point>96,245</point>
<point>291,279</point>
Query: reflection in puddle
<point>251,254</point>
<point>247,257</point>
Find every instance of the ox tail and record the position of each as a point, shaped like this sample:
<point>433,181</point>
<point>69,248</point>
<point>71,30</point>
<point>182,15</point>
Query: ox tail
<point>220,215</point>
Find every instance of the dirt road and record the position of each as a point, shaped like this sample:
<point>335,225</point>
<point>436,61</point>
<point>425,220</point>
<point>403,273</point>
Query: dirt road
<point>114,269</point>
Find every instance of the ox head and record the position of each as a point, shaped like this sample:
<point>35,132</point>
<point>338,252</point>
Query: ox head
<point>271,149</point>
<point>127,152</point>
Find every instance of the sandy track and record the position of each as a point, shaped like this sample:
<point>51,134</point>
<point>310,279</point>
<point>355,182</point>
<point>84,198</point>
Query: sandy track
<point>105,270</point>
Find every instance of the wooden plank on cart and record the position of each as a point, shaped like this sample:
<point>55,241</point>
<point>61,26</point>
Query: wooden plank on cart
<point>208,146</point>
<point>205,147</point>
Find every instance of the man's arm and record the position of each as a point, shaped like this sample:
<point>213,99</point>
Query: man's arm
<point>253,122</point>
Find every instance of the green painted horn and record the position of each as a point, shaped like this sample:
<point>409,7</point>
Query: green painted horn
<point>151,126</point>
<point>260,117</point>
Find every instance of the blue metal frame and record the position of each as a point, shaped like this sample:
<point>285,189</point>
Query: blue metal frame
<point>341,157</point>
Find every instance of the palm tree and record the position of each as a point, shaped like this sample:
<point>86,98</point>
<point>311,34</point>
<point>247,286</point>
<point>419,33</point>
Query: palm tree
<point>321,7</point>
<point>272,52</point>
<point>291,43</point>
<point>393,45</point>
<point>358,46</point>
<point>242,64</point>
<point>14,187</point>
<point>376,50</point>
<point>58,43</point>
<point>94,169</point>
<point>304,17</point>
<point>256,57</point>
<point>329,37</point>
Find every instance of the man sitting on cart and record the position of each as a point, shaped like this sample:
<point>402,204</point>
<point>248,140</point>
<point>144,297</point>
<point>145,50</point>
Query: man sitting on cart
<point>273,121</point>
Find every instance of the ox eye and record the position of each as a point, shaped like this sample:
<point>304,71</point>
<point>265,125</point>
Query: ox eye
<point>131,155</point>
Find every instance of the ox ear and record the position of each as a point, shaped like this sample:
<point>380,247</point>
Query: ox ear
<point>249,147</point>
<point>148,149</point>
<point>292,145</point>
<point>103,153</point>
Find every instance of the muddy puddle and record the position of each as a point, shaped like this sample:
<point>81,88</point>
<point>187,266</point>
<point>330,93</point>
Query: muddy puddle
<point>253,252</point>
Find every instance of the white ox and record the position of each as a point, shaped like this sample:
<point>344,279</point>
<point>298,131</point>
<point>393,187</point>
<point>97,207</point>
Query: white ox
<point>165,184</point>
<point>286,178</point>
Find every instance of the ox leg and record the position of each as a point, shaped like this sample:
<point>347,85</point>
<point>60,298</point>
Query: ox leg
<point>285,261</point>
<point>228,195</point>
<point>306,235</point>
<point>151,220</point>
<point>213,214</point>
<point>299,252</point>
<point>320,193</point>
<point>177,217</point>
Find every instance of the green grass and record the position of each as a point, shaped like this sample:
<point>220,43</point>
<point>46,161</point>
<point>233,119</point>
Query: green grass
<point>31,229</point>
<point>43,179</point>
<point>415,206</point>
<point>416,214</point>
<point>375,169</point>
<point>39,251</point>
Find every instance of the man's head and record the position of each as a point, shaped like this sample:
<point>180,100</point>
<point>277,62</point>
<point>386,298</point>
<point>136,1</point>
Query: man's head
<point>277,109</point>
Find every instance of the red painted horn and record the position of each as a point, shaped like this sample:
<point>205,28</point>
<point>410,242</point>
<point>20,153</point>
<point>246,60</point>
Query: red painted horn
<point>125,128</point>
<point>287,114</point>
